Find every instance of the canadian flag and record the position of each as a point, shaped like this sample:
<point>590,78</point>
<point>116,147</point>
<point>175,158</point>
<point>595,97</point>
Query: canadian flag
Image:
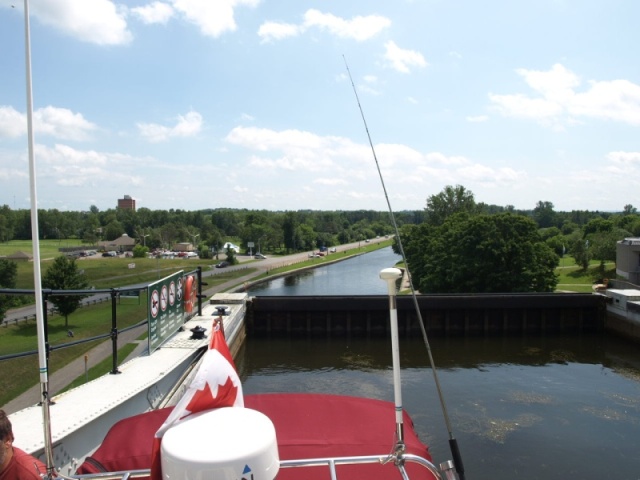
<point>216,384</point>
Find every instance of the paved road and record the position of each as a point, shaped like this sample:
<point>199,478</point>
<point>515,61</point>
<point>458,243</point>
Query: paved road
<point>64,376</point>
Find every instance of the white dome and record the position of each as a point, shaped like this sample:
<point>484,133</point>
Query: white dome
<point>221,444</point>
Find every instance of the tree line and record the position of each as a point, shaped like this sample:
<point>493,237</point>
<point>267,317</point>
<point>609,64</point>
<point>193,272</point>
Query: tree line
<point>467,247</point>
<point>454,244</point>
<point>281,231</point>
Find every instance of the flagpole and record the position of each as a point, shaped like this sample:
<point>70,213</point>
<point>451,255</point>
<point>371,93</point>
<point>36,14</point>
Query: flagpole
<point>37,274</point>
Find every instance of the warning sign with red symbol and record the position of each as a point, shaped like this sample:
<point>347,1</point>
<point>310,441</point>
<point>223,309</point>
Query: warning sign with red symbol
<point>166,311</point>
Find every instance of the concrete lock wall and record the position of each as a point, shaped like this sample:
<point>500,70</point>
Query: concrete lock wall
<point>442,314</point>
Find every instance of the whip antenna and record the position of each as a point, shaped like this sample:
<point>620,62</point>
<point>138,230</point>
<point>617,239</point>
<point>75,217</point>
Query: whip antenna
<point>453,443</point>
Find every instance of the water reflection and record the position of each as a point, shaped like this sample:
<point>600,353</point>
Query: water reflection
<point>522,407</point>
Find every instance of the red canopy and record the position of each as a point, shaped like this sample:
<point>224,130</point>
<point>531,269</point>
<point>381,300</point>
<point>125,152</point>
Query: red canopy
<point>307,426</point>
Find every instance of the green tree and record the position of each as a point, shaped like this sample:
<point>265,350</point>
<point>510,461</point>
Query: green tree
<point>544,215</point>
<point>113,230</point>
<point>581,253</point>
<point>481,254</point>
<point>290,227</point>
<point>602,246</point>
<point>63,274</point>
<point>8,278</point>
<point>6,223</point>
<point>451,200</point>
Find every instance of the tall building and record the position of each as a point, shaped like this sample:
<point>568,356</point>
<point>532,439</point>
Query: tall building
<point>127,203</point>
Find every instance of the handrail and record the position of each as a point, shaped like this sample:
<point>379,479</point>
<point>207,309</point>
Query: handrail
<point>330,462</point>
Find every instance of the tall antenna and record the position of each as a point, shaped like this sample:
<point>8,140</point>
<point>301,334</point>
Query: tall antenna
<point>453,443</point>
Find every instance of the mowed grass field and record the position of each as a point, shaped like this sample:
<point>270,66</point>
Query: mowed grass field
<point>102,272</point>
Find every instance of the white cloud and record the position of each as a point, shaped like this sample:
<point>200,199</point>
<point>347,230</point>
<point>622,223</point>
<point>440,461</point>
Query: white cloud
<point>67,166</point>
<point>617,100</point>
<point>188,125</point>
<point>402,60</point>
<point>359,28</point>
<point>331,181</point>
<point>557,103</point>
<point>94,21</point>
<point>212,17</point>
<point>58,122</point>
<point>489,176</point>
<point>156,12</point>
<point>624,158</point>
<point>270,31</point>
<point>62,123</point>
<point>12,123</point>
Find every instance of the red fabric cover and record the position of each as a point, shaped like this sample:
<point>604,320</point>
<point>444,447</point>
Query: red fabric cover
<point>319,425</point>
<point>127,445</point>
<point>307,426</point>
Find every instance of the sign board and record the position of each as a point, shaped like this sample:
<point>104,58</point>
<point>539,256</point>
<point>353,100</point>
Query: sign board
<point>250,244</point>
<point>165,309</point>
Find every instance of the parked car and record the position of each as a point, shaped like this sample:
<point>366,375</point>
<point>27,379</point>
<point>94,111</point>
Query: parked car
<point>223,264</point>
<point>110,254</point>
<point>259,256</point>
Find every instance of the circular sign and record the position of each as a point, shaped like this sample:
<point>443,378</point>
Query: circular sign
<point>172,293</point>
<point>164,298</point>
<point>154,303</point>
<point>179,289</point>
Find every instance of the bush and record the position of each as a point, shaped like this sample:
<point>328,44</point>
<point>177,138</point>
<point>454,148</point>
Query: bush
<point>140,251</point>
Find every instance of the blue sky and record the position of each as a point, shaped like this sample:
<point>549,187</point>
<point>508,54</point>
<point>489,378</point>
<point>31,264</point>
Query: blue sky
<point>197,104</point>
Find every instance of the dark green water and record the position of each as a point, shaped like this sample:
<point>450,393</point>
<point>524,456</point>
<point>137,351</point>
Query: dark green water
<point>520,407</point>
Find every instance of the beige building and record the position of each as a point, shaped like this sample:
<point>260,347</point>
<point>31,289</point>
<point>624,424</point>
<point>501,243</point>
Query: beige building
<point>124,243</point>
<point>628,259</point>
<point>183,247</point>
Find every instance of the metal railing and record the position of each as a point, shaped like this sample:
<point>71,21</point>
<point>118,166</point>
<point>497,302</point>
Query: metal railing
<point>100,295</point>
<point>329,462</point>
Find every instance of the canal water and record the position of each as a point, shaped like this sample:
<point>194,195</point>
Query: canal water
<point>359,275</point>
<point>523,406</point>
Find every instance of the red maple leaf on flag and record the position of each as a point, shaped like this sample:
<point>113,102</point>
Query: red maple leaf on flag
<point>205,400</point>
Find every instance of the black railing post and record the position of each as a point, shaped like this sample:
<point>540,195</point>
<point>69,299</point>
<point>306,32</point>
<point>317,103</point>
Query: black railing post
<point>45,320</point>
<point>114,331</point>
<point>200,295</point>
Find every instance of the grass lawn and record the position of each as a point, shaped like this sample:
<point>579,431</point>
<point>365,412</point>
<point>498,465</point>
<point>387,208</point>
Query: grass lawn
<point>572,278</point>
<point>18,375</point>
<point>48,248</point>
